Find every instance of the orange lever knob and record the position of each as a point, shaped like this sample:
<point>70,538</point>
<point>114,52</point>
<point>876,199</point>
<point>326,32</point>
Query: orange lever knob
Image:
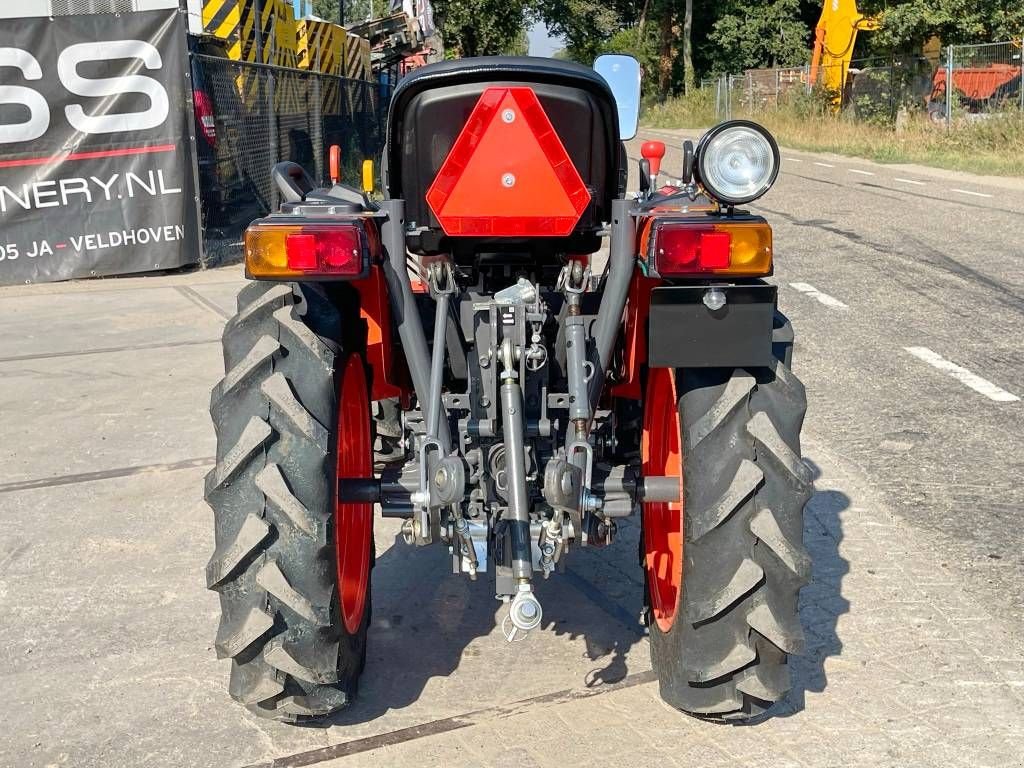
<point>335,163</point>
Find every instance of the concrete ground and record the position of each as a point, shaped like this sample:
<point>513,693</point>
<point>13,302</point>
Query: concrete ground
<point>913,617</point>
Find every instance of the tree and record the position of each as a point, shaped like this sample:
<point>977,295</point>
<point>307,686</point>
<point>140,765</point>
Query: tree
<point>356,11</point>
<point>690,77</point>
<point>480,27</point>
<point>769,34</point>
<point>585,25</point>
<point>908,24</point>
<point>327,10</point>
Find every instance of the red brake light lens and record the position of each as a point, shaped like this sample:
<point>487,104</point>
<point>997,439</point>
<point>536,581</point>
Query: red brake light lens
<point>334,250</point>
<point>685,250</point>
<point>204,115</point>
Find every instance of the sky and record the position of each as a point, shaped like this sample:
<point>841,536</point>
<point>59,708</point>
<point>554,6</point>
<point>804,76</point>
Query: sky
<point>542,44</point>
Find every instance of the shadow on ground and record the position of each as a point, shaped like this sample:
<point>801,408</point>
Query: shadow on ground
<point>425,619</point>
<point>821,601</point>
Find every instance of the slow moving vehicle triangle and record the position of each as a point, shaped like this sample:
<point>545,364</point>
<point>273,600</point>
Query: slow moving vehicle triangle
<point>507,173</point>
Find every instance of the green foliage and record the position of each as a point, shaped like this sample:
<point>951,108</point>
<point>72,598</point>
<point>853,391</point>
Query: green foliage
<point>727,35</point>
<point>694,110</point>
<point>768,34</point>
<point>585,25</point>
<point>480,27</point>
<point>643,46</point>
<point>906,24</point>
<point>355,10</point>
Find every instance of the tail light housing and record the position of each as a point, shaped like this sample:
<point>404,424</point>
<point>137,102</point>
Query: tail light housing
<point>328,251</point>
<point>683,248</point>
<point>205,119</point>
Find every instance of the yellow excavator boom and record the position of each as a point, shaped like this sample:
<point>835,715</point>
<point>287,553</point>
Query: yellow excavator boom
<point>833,42</point>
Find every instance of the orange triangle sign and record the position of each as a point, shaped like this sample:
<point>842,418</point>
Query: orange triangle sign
<point>508,174</point>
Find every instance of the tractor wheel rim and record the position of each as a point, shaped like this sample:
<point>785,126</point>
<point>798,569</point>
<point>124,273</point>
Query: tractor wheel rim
<point>661,454</point>
<point>353,523</point>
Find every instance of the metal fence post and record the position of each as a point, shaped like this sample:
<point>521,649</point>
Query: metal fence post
<point>317,129</point>
<point>190,121</point>
<point>949,87</point>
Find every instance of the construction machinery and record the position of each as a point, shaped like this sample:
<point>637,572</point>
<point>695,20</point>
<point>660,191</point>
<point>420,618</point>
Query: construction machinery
<point>512,355</point>
<point>834,39</point>
<point>268,32</point>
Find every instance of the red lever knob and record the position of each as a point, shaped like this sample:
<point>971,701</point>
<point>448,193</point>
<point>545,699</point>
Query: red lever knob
<point>652,152</point>
<point>335,163</point>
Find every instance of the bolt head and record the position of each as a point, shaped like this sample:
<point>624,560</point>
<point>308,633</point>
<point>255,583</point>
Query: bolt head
<point>714,299</point>
<point>508,180</point>
<point>508,116</point>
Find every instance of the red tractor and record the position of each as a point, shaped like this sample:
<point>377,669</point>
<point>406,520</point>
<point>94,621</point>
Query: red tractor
<point>461,356</point>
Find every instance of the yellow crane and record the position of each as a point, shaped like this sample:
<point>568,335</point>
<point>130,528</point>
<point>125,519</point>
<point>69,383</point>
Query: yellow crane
<point>834,38</point>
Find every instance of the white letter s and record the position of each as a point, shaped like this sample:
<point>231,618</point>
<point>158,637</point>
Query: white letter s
<point>39,117</point>
<point>67,70</point>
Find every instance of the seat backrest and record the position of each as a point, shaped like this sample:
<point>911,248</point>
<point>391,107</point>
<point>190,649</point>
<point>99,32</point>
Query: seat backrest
<point>430,107</point>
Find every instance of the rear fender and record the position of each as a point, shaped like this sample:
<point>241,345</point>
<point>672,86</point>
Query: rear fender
<point>634,336</point>
<point>389,377</point>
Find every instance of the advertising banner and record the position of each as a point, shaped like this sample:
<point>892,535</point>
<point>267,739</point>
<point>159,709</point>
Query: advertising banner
<point>95,164</point>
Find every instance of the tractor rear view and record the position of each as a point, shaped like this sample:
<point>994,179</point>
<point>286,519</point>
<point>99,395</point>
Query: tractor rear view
<point>458,356</point>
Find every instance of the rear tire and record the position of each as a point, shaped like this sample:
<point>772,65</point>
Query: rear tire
<point>273,497</point>
<point>722,652</point>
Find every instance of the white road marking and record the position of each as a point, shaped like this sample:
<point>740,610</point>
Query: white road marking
<point>862,173</point>
<point>793,160</point>
<point>814,293</point>
<point>910,181</point>
<point>968,192</point>
<point>964,376</point>
<point>824,165</point>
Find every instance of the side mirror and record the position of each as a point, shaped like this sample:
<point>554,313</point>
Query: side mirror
<point>622,73</point>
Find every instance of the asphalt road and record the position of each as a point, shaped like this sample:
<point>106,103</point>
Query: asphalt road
<point>873,260</point>
<point>915,654</point>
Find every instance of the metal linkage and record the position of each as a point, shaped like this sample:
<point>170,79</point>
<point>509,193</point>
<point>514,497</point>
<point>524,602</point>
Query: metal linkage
<point>621,261</point>
<point>515,467</point>
<point>442,286</point>
<point>574,280</point>
<point>404,309</point>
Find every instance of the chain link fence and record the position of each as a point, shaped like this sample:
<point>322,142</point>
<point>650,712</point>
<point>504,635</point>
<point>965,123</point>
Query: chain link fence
<point>250,116</point>
<point>960,84</point>
<point>978,80</point>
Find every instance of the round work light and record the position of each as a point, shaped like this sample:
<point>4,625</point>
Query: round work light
<point>737,162</point>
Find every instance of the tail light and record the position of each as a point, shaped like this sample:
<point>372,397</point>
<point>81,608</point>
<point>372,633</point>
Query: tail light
<point>695,249</point>
<point>205,119</point>
<point>330,251</point>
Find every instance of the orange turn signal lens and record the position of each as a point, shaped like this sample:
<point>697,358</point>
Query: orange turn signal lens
<point>695,249</point>
<point>277,251</point>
